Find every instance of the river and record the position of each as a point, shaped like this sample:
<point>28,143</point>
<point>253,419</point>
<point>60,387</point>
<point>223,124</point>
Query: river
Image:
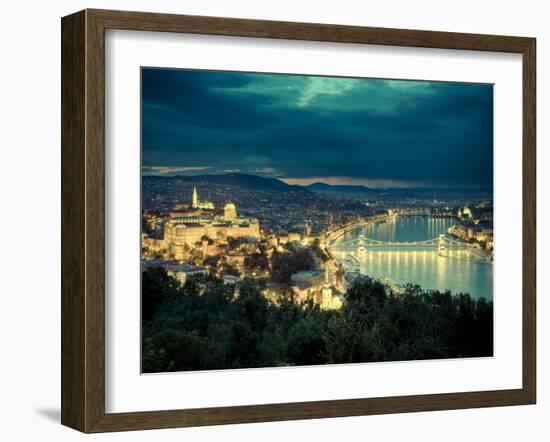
<point>458,271</point>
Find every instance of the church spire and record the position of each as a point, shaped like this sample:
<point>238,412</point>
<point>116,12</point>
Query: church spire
<point>195,203</point>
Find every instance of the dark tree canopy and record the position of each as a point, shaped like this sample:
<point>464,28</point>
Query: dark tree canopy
<point>209,325</point>
<point>283,265</point>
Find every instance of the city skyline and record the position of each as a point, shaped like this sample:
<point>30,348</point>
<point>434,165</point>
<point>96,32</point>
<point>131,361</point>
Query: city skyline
<point>306,129</point>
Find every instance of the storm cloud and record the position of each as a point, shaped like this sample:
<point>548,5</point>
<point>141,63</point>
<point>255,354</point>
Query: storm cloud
<point>309,128</point>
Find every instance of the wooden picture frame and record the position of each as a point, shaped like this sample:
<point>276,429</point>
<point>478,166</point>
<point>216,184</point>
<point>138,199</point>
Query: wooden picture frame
<point>83,220</point>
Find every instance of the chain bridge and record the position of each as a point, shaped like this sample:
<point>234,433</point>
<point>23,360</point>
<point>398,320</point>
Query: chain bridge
<point>361,244</point>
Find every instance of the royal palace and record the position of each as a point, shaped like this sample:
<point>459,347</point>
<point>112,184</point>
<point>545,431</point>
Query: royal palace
<point>181,231</point>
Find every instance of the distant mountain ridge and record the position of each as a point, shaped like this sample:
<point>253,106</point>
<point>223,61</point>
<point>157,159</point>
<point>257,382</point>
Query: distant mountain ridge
<point>243,180</point>
<point>341,188</point>
<point>359,190</point>
<point>255,182</point>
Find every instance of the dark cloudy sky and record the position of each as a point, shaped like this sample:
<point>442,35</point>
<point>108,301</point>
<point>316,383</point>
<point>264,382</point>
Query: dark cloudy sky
<point>303,129</point>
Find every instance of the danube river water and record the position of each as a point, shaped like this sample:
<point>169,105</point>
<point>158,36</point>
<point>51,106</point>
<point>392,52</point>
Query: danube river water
<point>459,270</point>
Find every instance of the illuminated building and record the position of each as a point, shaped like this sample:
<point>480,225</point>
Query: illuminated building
<point>152,244</point>
<point>307,228</point>
<point>307,285</point>
<point>195,203</point>
<point>198,204</point>
<point>314,285</point>
<point>230,211</point>
<point>235,259</point>
<point>294,237</point>
<point>328,300</point>
<point>183,232</point>
<point>230,279</point>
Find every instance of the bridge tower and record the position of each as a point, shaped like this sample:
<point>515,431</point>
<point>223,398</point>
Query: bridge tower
<point>441,246</point>
<point>361,247</point>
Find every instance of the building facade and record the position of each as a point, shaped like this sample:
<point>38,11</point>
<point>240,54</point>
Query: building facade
<point>186,231</point>
<point>196,203</point>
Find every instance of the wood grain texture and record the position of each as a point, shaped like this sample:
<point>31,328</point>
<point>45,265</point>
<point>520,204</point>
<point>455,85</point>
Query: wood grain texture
<point>529,221</point>
<point>83,220</point>
<point>144,21</point>
<point>73,253</point>
<point>95,222</point>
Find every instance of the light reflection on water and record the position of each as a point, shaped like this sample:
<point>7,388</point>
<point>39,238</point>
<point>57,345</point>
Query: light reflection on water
<point>458,271</point>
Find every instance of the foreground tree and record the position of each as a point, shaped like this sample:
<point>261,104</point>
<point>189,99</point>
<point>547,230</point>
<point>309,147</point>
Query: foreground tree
<point>207,324</point>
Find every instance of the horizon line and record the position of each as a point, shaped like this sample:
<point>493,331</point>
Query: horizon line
<point>378,184</point>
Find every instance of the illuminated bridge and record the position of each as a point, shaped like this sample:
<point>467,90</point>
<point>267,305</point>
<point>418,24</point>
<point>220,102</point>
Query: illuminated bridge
<point>362,244</point>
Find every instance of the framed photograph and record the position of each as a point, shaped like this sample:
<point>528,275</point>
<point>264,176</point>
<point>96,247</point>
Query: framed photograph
<point>267,221</point>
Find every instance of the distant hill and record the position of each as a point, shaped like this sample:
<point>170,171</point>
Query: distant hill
<point>255,182</point>
<point>357,191</point>
<point>242,180</point>
<point>342,189</point>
